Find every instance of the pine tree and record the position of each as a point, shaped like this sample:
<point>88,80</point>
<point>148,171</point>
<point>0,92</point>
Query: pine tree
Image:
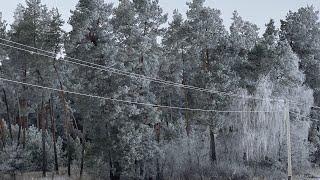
<point>173,69</point>
<point>301,30</point>
<point>34,26</point>
<point>137,26</point>
<point>243,37</point>
<point>260,59</point>
<point>91,40</point>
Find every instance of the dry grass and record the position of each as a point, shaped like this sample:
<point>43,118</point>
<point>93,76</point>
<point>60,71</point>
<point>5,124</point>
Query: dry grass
<point>314,174</point>
<point>50,176</point>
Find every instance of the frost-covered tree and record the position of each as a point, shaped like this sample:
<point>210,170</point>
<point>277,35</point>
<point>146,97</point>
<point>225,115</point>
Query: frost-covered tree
<point>3,34</point>
<point>205,34</point>
<point>197,52</point>
<point>260,137</point>
<point>302,31</point>
<point>90,40</point>
<point>121,51</point>
<point>173,68</point>
<point>211,64</point>
<point>260,59</point>
<point>39,27</point>
<point>35,26</point>
<point>4,99</point>
<point>243,37</point>
<point>244,34</point>
<point>137,27</point>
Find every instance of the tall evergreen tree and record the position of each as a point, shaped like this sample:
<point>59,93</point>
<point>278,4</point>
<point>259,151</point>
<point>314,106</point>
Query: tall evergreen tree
<point>243,37</point>
<point>38,27</point>
<point>137,26</point>
<point>173,69</point>
<point>302,30</point>
<point>91,40</point>
<point>260,59</point>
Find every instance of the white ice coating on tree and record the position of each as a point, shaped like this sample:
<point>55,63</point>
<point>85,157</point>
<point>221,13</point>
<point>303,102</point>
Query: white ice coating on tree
<point>248,137</point>
<point>258,137</point>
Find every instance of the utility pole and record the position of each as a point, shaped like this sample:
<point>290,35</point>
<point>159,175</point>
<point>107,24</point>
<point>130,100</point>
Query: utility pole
<point>287,119</point>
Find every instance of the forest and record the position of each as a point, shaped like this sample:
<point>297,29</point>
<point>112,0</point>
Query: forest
<point>128,94</point>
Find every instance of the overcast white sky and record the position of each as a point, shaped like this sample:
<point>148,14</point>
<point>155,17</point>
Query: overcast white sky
<point>256,11</point>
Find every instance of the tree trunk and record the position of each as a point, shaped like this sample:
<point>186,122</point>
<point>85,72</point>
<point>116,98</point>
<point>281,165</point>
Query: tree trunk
<point>114,175</point>
<point>111,167</point>
<point>83,148</point>
<point>82,158</point>
<point>69,155</point>
<point>53,130</point>
<point>206,61</point>
<point>142,171</point>
<point>19,122</point>
<point>8,114</point>
<point>213,154</point>
<point>43,129</point>
<point>159,173</point>
<point>188,127</point>
<point>2,134</point>
<point>171,112</point>
<point>23,107</point>
<point>24,126</point>
<point>157,132</point>
<point>66,118</point>
<point>118,171</point>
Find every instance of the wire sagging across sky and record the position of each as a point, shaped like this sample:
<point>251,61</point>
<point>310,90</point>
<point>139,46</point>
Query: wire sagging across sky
<point>134,75</point>
<point>125,73</point>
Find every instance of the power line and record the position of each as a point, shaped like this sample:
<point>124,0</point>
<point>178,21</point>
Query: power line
<point>138,76</point>
<point>125,101</point>
<point>129,74</point>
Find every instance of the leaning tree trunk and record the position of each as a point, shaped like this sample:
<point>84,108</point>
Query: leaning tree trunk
<point>2,134</point>
<point>43,124</point>
<point>66,118</point>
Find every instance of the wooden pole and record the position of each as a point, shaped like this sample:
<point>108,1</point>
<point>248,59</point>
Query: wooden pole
<point>287,119</point>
